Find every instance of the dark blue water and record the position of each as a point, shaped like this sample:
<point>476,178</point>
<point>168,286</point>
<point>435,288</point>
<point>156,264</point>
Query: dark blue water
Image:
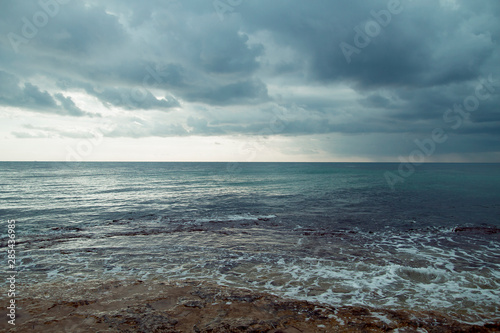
<point>332,232</point>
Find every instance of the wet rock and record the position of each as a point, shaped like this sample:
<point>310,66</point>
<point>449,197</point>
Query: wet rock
<point>478,230</point>
<point>192,306</point>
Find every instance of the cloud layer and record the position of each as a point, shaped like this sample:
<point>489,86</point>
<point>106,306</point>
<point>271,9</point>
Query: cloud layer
<point>377,75</point>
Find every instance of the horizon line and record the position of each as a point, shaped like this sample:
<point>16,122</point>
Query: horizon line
<point>357,162</point>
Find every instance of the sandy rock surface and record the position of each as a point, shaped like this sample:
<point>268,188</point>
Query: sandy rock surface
<point>193,306</point>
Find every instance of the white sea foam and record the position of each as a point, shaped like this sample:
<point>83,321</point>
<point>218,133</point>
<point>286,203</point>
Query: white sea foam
<point>379,269</point>
<point>382,317</point>
<point>235,217</point>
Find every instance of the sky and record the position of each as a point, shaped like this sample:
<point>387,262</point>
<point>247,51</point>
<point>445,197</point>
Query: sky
<point>250,80</point>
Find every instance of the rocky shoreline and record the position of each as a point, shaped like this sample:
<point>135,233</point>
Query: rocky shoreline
<point>194,306</point>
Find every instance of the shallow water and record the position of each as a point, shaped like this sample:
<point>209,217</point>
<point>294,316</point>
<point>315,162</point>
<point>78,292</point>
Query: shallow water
<point>333,233</point>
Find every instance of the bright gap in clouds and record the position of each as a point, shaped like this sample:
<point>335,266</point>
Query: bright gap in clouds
<point>183,149</point>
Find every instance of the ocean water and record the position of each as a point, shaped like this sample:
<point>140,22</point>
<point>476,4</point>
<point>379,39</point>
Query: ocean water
<point>329,232</point>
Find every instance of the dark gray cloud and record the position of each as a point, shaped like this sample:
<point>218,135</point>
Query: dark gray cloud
<point>425,44</point>
<point>222,77</point>
<point>240,92</point>
<point>131,98</point>
<point>30,96</point>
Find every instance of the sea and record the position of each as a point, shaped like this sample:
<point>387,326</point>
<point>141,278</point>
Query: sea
<point>335,233</point>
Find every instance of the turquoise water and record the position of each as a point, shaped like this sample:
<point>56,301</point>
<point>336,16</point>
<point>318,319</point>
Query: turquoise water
<point>330,232</point>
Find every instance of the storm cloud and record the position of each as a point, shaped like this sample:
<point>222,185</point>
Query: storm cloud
<point>355,77</point>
